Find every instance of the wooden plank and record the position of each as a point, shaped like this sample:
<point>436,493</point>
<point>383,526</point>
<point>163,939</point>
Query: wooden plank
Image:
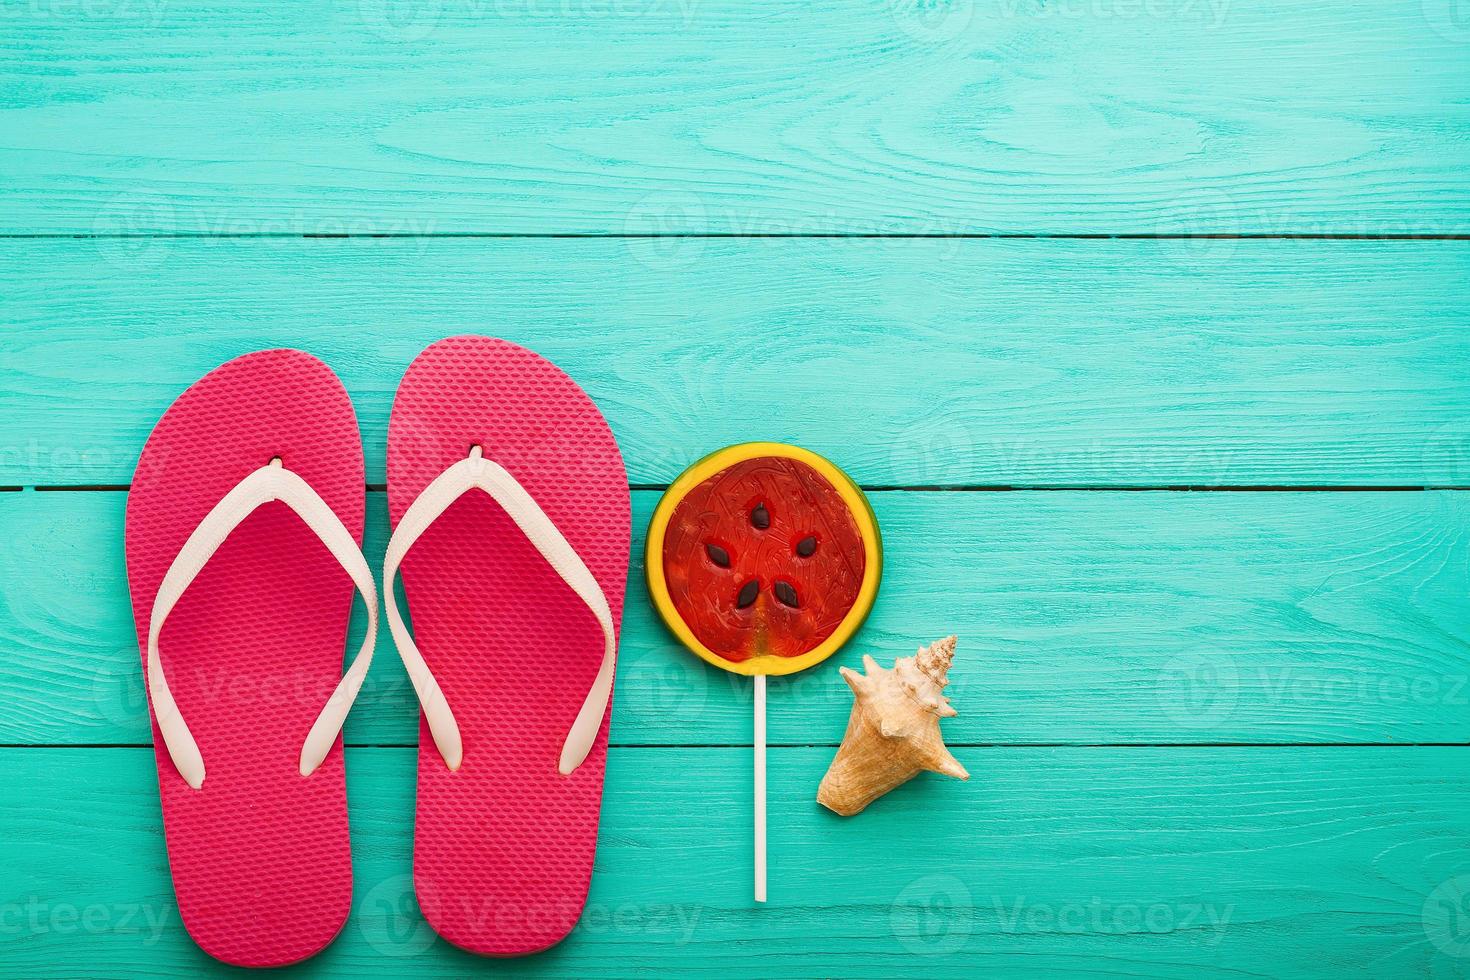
<point>1084,617</point>
<point>735,117</point>
<point>910,363</point>
<point>1207,862</point>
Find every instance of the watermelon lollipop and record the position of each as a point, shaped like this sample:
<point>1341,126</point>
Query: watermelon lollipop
<point>763,559</point>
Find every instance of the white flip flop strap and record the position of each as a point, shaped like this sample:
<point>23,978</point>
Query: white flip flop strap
<point>269,483</point>
<point>477,473</point>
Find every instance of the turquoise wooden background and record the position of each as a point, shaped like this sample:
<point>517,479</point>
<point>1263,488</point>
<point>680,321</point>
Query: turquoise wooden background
<point>1145,322</point>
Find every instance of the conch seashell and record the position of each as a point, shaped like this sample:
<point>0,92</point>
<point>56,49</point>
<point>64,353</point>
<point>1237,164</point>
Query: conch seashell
<point>893,731</point>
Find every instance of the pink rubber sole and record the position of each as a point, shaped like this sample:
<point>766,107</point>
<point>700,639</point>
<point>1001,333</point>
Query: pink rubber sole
<point>503,847</point>
<point>259,854</point>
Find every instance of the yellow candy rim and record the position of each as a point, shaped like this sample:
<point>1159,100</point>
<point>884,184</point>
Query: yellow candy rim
<point>851,494</point>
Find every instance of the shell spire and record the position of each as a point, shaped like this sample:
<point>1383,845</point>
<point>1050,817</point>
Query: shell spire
<point>936,658</point>
<point>893,731</point>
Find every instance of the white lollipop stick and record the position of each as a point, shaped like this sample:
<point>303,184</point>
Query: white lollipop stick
<point>760,787</point>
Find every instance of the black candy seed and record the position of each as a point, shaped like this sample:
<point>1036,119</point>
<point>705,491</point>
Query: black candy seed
<point>748,592</point>
<point>786,595</point>
<point>718,555</point>
<point>806,546</point>
<point>760,517</point>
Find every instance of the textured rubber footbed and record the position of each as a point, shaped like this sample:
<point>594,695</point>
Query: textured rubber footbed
<point>252,651</point>
<point>503,847</point>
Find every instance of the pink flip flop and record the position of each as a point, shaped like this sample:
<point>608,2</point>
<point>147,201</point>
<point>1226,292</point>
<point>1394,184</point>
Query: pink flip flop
<point>516,592</point>
<point>244,524</point>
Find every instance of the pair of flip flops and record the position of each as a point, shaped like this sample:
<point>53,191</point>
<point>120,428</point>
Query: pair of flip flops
<point>509,500</point>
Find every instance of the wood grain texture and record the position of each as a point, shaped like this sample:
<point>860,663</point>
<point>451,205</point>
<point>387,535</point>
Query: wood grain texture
<point>735,116</point>
<point>1180,863</point>
<point>1084,617</point>
<point>1050,363</point>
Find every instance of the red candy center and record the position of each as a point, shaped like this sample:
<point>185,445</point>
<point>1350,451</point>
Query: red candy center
<point>764,557</point>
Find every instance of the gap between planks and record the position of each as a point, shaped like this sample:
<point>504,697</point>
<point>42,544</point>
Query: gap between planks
<point>944,488</point>
<point>834,745</point>
<point>930,236</point>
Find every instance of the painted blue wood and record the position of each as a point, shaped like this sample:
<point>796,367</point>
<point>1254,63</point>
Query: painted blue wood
<point>910,363</point>
<point>1172,863</point>
<point>735,116</point>
<point>1083,618</point>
